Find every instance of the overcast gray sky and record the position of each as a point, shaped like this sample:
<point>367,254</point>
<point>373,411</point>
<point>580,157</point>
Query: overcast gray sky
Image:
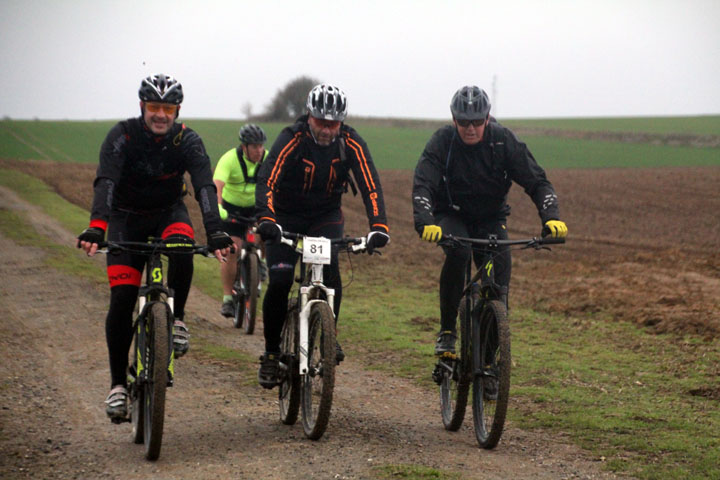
<point>80,59</point>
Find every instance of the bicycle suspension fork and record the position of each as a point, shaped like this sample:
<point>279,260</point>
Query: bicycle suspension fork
<point>307,299</point>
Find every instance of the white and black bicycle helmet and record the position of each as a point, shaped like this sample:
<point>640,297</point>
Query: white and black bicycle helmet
<point>161,88</point>
<point>470,103</point>
<point>252,133</point>
<point>327,102</point>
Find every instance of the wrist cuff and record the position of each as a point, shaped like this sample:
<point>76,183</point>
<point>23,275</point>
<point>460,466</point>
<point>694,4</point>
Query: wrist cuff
<point>97,223</point>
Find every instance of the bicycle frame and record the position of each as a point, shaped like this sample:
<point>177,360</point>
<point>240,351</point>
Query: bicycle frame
<point>311,290</point>
<point>154,291</point>
<point>248,241</point>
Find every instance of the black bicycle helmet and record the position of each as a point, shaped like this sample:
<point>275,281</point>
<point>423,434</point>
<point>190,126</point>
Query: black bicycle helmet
<point>470,103</point>
<point>327,102</point>
<point>252,133</point>
<point>161,88</point>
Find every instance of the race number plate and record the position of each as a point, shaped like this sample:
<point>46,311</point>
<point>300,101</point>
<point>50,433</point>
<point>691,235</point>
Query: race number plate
<point>316,250</point>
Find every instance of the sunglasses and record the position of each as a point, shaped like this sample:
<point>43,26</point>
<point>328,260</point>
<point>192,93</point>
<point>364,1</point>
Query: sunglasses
<point>322,123</point>
<point>466,123</point>
<point>168,108</point>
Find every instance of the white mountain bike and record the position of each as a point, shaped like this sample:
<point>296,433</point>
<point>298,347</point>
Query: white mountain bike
<point>308,356</point>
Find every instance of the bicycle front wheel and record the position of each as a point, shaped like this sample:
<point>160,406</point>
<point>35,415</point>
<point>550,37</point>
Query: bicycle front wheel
<point>289,394</point>
<point>238,295</point>
<point>137,397</point>
<point>455,375</point>
<point>491,372</point>
<point>156,364</point>
<point>319,382</point>
<point>251,280</point>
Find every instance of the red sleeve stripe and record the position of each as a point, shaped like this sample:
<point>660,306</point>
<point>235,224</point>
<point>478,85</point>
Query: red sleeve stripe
<point>178,228</point>
<point>99,224</point>
<point>284,153</point>
<point>123,275</point>
<point>362,160</point>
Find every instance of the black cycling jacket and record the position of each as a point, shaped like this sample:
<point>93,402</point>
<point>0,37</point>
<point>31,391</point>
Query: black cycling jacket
<point>300,177</point>
<point>142,172</point>
<point>473,181</point>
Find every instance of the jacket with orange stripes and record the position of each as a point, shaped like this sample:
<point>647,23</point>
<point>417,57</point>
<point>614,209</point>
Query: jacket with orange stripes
<point>300,177</point>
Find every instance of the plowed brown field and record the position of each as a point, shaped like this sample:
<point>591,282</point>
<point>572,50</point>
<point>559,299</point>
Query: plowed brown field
<point>643,247</point>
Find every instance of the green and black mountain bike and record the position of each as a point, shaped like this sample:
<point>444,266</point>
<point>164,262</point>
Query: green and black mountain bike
<point>483,359</point>
<point>151,368</point>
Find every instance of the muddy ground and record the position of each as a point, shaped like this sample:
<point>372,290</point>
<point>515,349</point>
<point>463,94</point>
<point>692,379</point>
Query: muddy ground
<point>643,248</point>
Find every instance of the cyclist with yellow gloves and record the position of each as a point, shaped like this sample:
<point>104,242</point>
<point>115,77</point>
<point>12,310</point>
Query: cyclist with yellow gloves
<point>235,179</point>
<point>460,187</point>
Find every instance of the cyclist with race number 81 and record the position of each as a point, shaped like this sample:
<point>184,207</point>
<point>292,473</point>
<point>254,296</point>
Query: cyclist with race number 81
<point>299,189</point>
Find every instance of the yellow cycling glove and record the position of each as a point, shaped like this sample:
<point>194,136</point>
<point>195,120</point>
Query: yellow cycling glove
<point>556,228</point>
<point>223,212</point>
<point>431,233</point>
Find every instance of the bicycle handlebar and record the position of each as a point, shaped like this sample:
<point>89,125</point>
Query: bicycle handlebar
<point>235,218</point>
<point>534,242</point>
<point>352,244</point>
<point>148,248</point>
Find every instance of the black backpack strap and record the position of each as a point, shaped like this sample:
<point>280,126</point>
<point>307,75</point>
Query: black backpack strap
<point>497,145</point>
<point>243,167</point>
<point>343,162</point>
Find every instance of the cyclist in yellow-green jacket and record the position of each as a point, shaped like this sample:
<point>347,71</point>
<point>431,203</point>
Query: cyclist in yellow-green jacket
<point>235,181</point>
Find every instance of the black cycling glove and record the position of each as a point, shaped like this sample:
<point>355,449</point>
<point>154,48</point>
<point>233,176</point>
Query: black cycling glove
<point>376,239</point>
<point>269,231</point>
<point>91,235</point>
<point>219,240</point>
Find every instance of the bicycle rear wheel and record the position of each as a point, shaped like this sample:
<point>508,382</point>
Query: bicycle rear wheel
<point>289,394</point>
<point>319,382</point>
<point>156,364</point>
<point>491,367</point>
<point>251,281</point>
<point>455,376</point>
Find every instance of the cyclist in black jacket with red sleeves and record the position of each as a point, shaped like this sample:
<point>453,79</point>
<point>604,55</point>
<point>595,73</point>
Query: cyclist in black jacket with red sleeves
<point>139,191</point>
<point>299,187</point>
<point>460,187</point>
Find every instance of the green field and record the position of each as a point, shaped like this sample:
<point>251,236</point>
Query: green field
<point>394,145</point>
<point>701,125</point>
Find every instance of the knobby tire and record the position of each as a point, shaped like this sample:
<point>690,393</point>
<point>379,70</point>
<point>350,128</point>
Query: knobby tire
<point>455,383</point>
<point>491,358</point>
<point>239,295</point>
<point>157,359</point>
<point>251,285</point>
<point>137,397</point>
<point>319,382</point>
<point>289,392</point>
